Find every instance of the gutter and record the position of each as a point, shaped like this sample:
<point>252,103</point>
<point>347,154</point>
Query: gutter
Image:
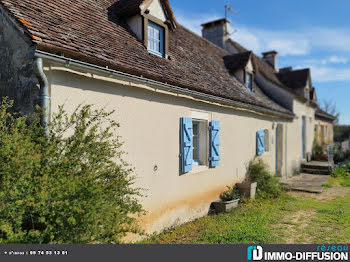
<point>44,94</point>
<point>159,85</point>
<point>332,118</point>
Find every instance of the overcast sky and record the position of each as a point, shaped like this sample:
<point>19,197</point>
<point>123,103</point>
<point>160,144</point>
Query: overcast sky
<point>306,33</point>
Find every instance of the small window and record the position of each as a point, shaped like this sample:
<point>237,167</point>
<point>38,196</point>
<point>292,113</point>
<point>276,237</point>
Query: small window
<point>260,142</point>
<point>249,81</point>
<point>196,145</point>
<point>155,39</point>
<point>267,140</point>
<point>200,143</point>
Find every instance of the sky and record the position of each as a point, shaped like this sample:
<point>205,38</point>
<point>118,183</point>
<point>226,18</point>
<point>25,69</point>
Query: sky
<point>305,33</point>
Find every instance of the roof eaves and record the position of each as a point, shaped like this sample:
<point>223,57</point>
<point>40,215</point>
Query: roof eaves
<point>48,51</point>
<point>242,49</point>
<point>323,114</point>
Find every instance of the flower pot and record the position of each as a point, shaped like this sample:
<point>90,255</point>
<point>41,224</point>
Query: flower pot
<point>223,206</point>
<point>247,189</point>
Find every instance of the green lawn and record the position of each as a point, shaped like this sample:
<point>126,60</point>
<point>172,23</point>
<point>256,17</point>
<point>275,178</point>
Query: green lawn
<point>289,219</point>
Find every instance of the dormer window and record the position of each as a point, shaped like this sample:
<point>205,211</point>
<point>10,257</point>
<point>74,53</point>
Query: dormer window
<point>155,39</point>
<point>249,81</point>
<point>150,21</point>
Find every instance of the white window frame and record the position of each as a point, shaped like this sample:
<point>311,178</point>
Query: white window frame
<point>196,157</point>
<point>249,88</point>
<point>156,45</point>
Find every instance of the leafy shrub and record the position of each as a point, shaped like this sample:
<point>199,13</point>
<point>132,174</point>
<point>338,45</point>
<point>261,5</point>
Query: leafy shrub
<point>340,171</point>
<point>230,194</point>
<point>268,186</point>
<point>317,148</point>
<point>71,186</point>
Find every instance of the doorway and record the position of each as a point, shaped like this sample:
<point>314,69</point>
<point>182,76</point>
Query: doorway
<point>303,137</point>
<point>279,149</point>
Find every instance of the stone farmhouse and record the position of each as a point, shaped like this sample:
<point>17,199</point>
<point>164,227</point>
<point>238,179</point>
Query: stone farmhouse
<point>193,110</point>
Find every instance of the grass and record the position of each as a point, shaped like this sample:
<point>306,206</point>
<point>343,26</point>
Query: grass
<point>332,222</point>
<point>345,182</point>
<point>276,221</point>
<point>339,181</point>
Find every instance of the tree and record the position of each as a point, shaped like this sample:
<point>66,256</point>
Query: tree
<point>71,186</point>
<point>341,133</point>
<point>330,107</point>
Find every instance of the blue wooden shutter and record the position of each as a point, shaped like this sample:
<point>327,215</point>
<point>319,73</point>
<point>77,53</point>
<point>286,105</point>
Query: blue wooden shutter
<point>214,156</point>
<point>260,142</point>
<point>186,144</point>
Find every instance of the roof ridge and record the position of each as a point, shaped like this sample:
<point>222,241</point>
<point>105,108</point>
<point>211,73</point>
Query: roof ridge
<point>196,63</point>
<point>294,71</point>
<point>279,83</point>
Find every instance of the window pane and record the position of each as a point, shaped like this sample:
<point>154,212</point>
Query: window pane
<point>195,155</point>
<point>249,81</point>
<point>150,32</point>
<point>156,35</point>
<point>195,141</point>
<point>156,45</point>
<point>195,128</point>
<point>155,38</point>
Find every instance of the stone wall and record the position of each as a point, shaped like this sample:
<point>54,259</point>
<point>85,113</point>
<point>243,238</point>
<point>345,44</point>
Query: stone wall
<point>17,78</point>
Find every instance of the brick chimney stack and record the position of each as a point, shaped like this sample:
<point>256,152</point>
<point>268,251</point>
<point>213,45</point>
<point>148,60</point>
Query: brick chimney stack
<point>271,58</point>
<point>217,32</point>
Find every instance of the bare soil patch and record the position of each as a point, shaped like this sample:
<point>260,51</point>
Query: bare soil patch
<point>327,195</point>
<point>292,227</point>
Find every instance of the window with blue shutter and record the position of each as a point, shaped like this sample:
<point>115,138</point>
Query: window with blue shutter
<point>214,154</point>
<point>260,142</point>
<point>186,144</point>
<point>155,39</point>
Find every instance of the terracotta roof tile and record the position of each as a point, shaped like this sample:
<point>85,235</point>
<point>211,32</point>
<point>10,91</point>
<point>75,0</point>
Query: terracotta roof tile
<point>294,79</point>
<point>261,66</point>
<point>87,31</point>
<point>323,114</point>
<point>237,61</point>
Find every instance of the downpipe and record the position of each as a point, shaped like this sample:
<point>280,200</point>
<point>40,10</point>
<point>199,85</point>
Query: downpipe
<point>45,99</point>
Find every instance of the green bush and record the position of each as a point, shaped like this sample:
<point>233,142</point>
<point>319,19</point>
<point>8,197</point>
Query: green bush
<point>230,194</point>
<point>340,171</point>
<point>268,185</point>
<point>317,148</point>
<point>71,186</point>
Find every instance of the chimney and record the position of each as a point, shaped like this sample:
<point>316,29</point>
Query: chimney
<point>271,58</point>
<point>286,69</point>
<point>217,32</point>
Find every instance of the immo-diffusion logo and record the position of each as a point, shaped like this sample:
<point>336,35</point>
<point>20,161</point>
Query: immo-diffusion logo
<point>255,253</point>
<point>330,253</point>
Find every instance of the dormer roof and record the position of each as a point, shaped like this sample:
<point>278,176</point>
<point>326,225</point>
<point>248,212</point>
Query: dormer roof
<point>238,61</point>
<point>128,8</point>
<point>295,79</point>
